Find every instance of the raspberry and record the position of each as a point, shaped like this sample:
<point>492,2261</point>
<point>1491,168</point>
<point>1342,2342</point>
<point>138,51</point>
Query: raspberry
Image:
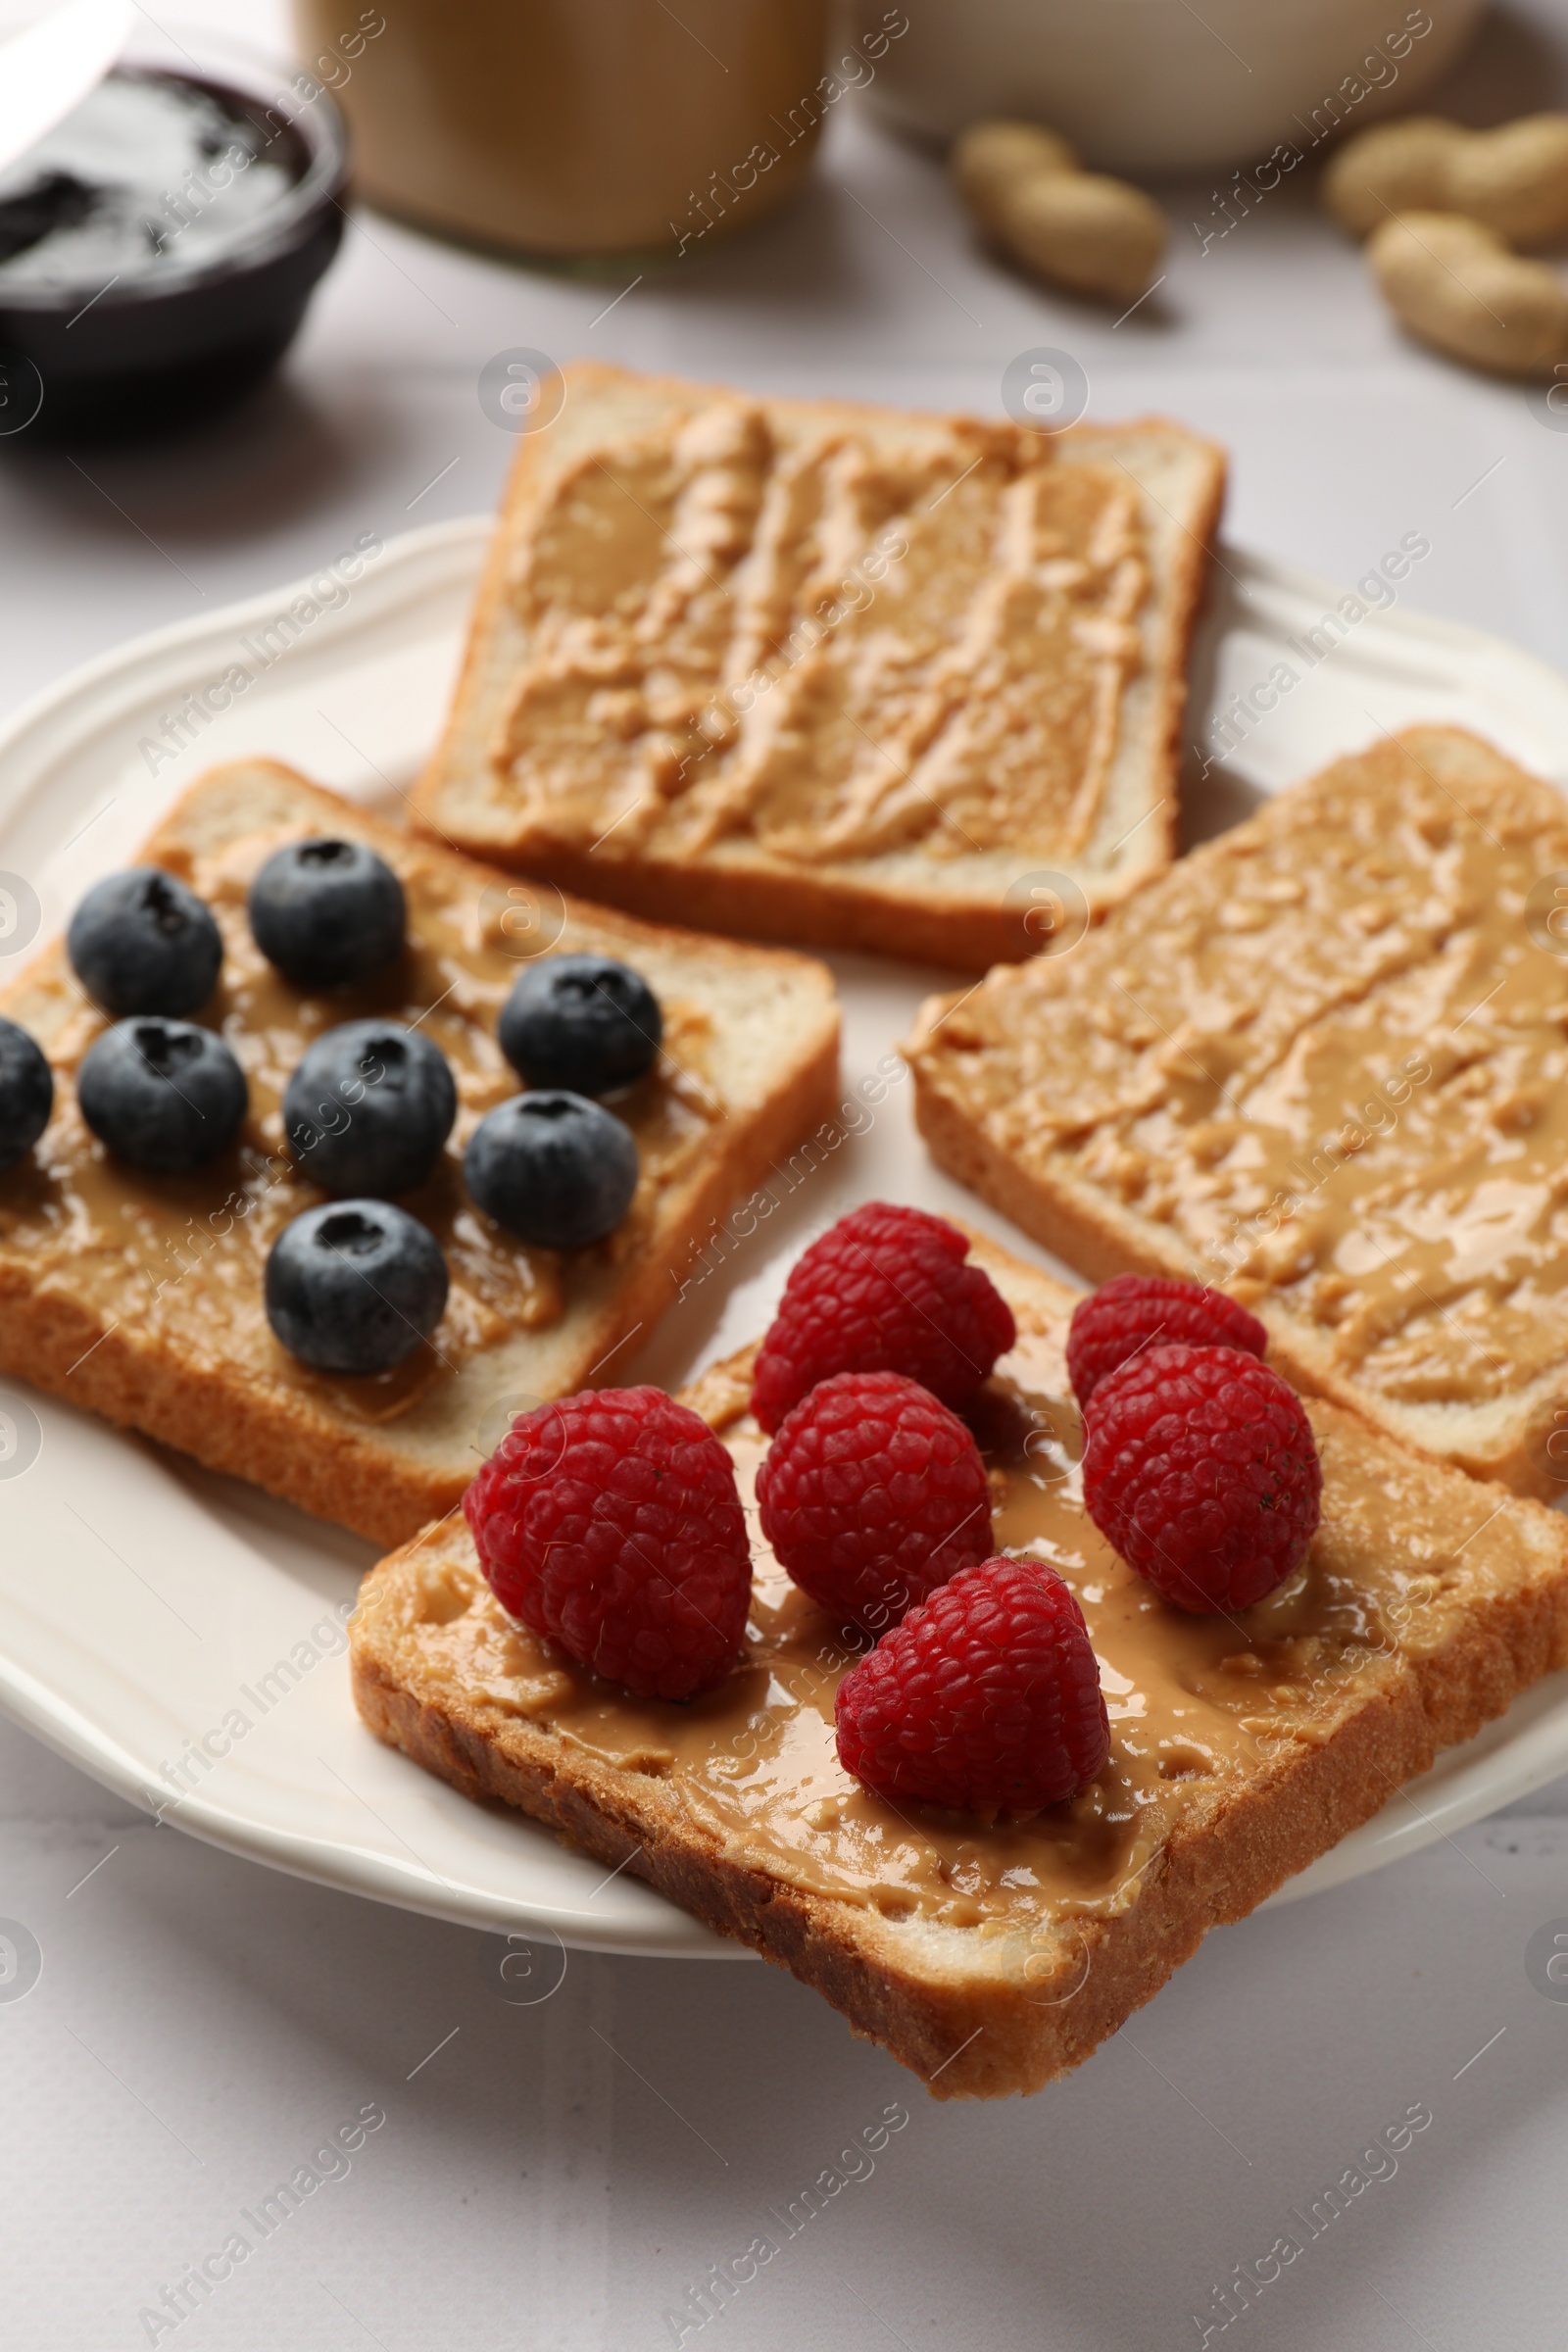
<point>1201,1470</point>
<point>872,1495</point>
<point>1136,1311</point>
<point>987,1697</point>
<point>611,1523</point>
<point>884,1290</point>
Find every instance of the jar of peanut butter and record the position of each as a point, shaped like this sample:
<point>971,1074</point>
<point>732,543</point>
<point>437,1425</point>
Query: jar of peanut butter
<point>574,130</point>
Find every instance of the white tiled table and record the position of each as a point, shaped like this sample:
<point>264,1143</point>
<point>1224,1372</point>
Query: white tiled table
<point>559,2177</point>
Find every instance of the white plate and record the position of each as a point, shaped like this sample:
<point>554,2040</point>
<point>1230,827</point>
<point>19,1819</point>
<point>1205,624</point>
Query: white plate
<point>143,1603</point>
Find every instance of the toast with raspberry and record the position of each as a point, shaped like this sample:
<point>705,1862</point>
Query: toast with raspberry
<point>990,1956</point>
<point>1320,1065</point>
<point>140,1297</point>
<point>815,671</point>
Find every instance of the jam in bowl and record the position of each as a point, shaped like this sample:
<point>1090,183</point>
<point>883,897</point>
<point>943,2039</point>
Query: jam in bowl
<point>158,246</point>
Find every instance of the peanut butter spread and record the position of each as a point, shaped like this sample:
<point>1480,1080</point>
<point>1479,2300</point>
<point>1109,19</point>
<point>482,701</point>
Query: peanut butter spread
<point>181,1258</point>
<point>1328,1054</point>
<point>1196,1705</point>
<point>827,645</point>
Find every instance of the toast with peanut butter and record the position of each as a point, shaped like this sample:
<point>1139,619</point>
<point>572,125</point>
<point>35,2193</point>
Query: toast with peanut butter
<point>814,672</point>
<point>1320,1064</point>
<point>140,1297</point>
<point>991,1956</point>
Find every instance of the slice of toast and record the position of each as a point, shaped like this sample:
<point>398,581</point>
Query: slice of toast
<point>810,670</point>
<point>1320,1064</point>
<point>991,1958</point>
<point>140,1297</point>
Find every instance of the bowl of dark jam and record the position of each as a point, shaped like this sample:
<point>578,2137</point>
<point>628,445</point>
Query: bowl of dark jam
<point>158,247</point>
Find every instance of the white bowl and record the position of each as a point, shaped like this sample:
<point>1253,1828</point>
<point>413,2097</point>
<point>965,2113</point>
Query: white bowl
<point>1155,86</point>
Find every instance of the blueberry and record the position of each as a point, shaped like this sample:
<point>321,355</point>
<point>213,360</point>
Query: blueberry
<point>162,1095</point>
<point>370,1107</point>
<point>554,1169</point>
<point>26,1093</point>
<point>327,911</point>
<point>354,1286</point>
<point>142,942</point>
<point>581,1021</point>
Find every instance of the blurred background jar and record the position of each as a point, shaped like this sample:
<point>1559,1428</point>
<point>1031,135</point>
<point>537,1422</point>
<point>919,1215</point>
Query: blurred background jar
<point>571,131</point>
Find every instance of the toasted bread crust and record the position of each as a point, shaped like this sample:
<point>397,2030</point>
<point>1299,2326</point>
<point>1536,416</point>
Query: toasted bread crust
<point>743,888</point>
<point>750,899</point>
<point>386,1480</point>
<point>976,2018</point>
<point>291,1447</point>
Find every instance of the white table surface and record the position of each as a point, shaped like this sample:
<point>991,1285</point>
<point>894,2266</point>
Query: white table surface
<point>555,2178</point>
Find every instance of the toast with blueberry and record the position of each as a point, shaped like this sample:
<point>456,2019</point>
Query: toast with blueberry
<point>984,1804</point>
<point>1319,1064</point>
<point>810,670</point>
<point>323,1150</point>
